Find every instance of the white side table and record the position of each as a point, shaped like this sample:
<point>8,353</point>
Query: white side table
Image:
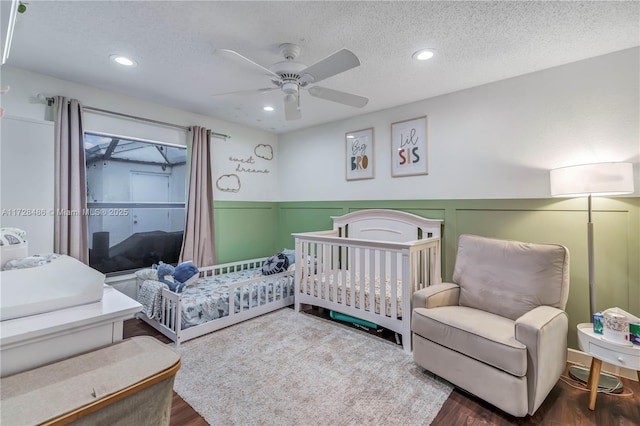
<point>604,350</point>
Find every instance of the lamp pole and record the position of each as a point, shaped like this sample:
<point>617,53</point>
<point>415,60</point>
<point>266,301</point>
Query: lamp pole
<point>592,286</point>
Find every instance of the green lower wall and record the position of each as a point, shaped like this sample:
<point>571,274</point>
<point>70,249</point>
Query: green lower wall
<point>253,229</point>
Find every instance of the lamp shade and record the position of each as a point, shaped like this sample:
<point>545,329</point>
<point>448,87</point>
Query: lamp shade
<point>592,179</point>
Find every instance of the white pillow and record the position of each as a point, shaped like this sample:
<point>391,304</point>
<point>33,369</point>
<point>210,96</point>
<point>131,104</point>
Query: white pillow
<point>147,274</point>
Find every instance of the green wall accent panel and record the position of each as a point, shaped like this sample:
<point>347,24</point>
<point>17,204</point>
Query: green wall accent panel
<point>255,229</point>
<point>244,230</point>
<point>303,219</point>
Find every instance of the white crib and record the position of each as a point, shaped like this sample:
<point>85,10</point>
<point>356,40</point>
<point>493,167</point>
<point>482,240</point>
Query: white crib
<point>385,253</point>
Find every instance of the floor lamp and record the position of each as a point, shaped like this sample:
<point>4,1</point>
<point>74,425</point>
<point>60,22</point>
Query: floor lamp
<point>600,179</point>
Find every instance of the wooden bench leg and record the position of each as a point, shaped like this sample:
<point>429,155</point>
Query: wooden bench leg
<point>592,384</point>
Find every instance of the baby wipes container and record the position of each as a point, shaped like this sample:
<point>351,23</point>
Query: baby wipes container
<point>616,327</point>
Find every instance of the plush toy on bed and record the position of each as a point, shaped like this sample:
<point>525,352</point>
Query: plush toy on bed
<point>179,277</point>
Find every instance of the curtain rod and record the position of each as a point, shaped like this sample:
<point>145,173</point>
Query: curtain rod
<point>50,101</point>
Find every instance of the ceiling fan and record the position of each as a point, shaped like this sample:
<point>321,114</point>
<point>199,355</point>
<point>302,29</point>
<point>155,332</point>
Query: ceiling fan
<point>290,76</point>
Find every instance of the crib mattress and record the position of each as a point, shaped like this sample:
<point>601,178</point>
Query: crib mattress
<point>346,288</point>
<point>209,298</point>
<point>62,283</point>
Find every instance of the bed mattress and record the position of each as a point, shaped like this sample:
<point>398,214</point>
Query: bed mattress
<point>209,298</point>
<point>62,283</point>
<point>319,288</point>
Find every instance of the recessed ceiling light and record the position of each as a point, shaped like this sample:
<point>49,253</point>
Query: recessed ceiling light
<point>123,60</point>
<point>268,108</point>
<point>423,55</point>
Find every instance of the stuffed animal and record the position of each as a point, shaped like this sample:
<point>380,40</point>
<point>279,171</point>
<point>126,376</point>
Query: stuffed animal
<point>165,270</point>
<point>179,277</point>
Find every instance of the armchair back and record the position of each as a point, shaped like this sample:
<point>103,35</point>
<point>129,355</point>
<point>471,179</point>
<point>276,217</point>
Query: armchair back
<point>510,278</point>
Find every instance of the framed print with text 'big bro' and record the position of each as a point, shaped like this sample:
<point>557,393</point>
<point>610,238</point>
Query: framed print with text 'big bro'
<point>359,154</point>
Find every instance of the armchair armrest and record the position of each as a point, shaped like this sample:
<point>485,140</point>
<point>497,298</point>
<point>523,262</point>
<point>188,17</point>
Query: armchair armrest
<point>543,331</point>
<point>443,294</point>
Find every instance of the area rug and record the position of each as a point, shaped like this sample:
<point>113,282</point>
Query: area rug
<point>288,368</point>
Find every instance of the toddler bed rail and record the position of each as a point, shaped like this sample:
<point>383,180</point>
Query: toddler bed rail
<point>257,295</point>
<point>369,266</point>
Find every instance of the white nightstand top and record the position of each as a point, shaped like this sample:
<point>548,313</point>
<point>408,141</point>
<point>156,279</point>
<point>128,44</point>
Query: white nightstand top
<point>605,350</point>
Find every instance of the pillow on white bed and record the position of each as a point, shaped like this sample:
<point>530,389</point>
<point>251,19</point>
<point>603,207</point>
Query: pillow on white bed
<point>275,264</point>
<point>291,255</point>
<point>147,274</point>
<point>152,274</point>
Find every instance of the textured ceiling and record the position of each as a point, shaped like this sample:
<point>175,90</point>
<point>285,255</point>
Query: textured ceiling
<point>175,45</point>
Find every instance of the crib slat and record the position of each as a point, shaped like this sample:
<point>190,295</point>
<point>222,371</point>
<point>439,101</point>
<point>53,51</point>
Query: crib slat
<point>334,268</point>
<point>383,282</point>
<point>313,271</point>
<point>361,282</point>
<point>322,271</point>
<point>372,280</point>
<point>394,286</point>
<point>352,277</point>
<point>343,272</point>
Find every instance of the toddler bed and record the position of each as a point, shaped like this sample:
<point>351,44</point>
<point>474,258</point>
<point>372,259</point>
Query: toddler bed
<point>222,295</point>
<point>369,266</point>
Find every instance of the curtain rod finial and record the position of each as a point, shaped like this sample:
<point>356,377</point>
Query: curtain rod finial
<point>40,97</point>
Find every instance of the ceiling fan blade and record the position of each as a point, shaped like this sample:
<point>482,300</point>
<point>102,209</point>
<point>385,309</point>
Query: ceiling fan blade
<point>292,110</point>
<point>338,96</point>
<point>247,92</point>
<point>247,60</point>
<point>333,64</point>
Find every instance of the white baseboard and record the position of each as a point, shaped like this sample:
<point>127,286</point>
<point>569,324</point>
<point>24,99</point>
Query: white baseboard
<point>581,358</point>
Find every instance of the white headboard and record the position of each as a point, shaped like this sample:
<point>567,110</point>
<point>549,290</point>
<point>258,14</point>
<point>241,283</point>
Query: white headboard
<point>386,225</point>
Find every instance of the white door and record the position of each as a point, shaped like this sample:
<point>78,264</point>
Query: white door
<point>149,188</point>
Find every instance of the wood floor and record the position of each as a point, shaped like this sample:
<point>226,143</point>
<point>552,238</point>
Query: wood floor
<point>564,406</point>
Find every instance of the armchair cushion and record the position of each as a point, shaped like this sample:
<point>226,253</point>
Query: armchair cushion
<point>510,278</point>
<point>481,335</point>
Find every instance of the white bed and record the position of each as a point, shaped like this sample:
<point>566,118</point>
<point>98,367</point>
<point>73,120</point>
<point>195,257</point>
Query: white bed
<point>340,269</point>
<point>207,305</point>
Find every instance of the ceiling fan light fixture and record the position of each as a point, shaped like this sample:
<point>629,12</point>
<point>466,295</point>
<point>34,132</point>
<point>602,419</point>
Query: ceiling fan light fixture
<point>123,60</point>
<point>290,98</point>
<point>423,54</point>
<point>290,88</point>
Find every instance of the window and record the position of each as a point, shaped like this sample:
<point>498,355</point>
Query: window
<point>135,202</point>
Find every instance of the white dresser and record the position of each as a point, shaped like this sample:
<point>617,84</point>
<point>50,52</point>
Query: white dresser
<point>36,340</point>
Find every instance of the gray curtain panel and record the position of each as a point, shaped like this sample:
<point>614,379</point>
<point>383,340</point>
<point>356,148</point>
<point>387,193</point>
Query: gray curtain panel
<point>70,221</point>
<point>198,242</point>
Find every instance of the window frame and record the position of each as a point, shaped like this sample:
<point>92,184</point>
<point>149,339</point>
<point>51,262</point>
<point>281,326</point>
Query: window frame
<point>95,205</point>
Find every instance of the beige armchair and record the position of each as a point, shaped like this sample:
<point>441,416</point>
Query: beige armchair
<point>499,331</point>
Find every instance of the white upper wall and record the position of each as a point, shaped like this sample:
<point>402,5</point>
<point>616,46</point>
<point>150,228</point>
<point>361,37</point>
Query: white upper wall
<point>493,141</point>
<point>20,102</point>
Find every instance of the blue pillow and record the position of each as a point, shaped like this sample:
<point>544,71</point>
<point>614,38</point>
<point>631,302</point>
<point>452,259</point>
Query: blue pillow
<point>291,255</point>
<point>275,264</point>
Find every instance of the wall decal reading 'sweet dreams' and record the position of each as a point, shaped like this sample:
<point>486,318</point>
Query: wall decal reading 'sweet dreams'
<point>359,154</point>
<point>246,165</point>
<point>409,154</point>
